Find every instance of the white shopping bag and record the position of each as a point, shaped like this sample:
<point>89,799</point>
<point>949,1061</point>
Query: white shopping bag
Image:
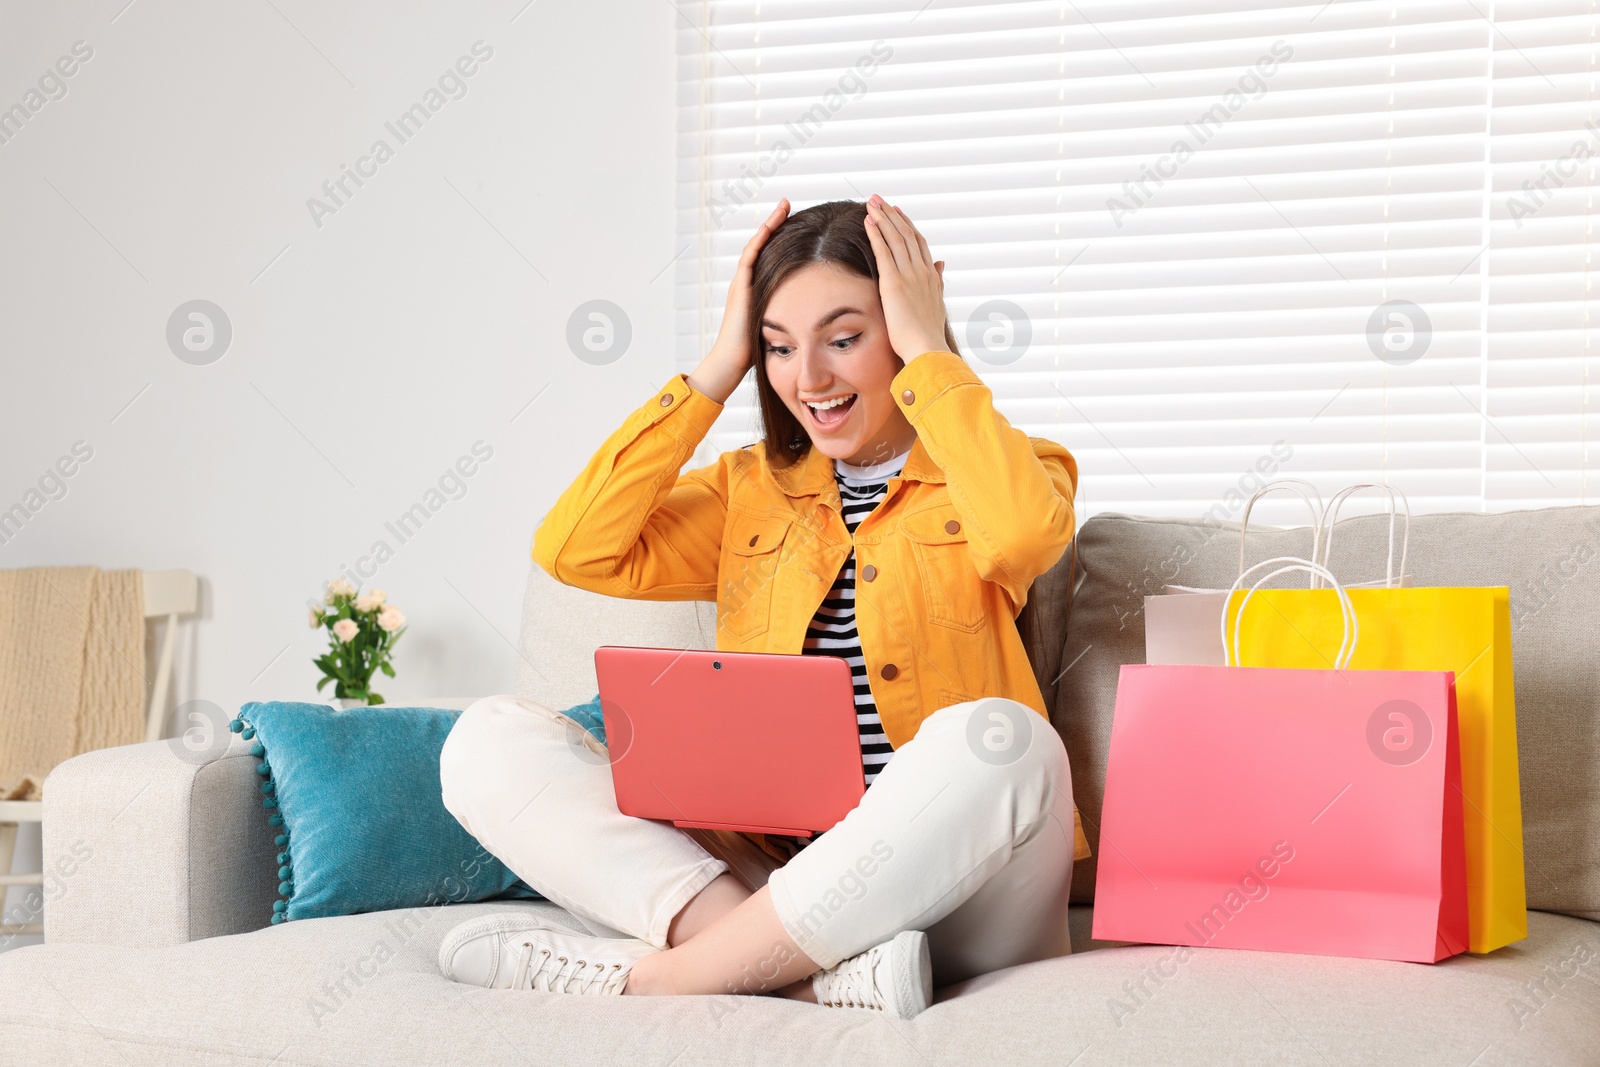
<point>1181,622</point>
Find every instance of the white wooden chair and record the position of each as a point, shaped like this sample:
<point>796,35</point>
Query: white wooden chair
<point>167,594</point>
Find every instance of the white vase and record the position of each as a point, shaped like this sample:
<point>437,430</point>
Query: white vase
<point>345,703</point>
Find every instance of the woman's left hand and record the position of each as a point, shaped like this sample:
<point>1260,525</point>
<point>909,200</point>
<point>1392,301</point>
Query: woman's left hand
<point>910,282</point>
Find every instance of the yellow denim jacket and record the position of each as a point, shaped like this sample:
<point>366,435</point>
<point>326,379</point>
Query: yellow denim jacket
<point>943,564</point>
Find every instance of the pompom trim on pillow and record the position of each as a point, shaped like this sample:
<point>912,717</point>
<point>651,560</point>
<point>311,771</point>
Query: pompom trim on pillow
<point>269,802</point>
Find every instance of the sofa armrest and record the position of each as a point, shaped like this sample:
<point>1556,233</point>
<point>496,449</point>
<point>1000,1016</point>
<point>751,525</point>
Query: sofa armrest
<point>154,844</point>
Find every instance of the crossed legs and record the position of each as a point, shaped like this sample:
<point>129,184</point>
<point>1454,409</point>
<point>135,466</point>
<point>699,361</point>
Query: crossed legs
<point>966,834</point>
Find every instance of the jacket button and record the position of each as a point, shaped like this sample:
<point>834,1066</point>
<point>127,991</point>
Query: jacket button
<point>870,572</point>
<point>952,526</point>
<point>908,396</point>
<point>889,670</point>
<point>666,400</point>
<point>753,539</point>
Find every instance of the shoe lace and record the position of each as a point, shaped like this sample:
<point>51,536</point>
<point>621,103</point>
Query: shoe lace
<point>539,969</point>
<point>851,983</point>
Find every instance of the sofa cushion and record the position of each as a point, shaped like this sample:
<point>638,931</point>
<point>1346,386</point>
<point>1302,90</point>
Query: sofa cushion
<point>562,625</point>
<point>1550,560</point>
<point>365,989</point>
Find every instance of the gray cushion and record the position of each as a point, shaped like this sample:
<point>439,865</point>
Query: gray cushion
<point>365,989</point>
<point>563,625</point>
<point>1547,557</point>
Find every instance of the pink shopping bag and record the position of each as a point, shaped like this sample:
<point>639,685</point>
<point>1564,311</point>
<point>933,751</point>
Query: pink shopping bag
<point>1285,809</point>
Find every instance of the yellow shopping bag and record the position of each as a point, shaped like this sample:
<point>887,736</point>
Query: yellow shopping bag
<point>1461,629</point>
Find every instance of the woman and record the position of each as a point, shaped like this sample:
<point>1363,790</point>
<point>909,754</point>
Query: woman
<point>879,441</point>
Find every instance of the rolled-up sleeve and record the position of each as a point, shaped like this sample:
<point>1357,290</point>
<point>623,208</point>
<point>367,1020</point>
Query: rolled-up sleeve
<point>1015,493</point>
<point>630,525</point>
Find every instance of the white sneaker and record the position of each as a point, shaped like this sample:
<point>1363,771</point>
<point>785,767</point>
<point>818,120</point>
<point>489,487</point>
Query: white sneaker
<point>514,951</point>
<point>895,977</point>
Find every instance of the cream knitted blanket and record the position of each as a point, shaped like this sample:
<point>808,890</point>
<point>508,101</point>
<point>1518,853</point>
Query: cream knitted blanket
<point>71,669</point>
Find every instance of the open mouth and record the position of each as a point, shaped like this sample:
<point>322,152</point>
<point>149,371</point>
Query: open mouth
<point>833,415</point>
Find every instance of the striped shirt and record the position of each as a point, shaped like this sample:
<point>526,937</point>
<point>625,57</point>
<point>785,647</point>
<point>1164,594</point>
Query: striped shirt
<point>832,631</point>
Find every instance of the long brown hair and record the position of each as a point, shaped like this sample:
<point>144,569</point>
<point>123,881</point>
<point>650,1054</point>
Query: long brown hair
<point>834,232</point>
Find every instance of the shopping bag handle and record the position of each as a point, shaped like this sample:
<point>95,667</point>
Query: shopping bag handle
<point>1352,626</point>
<point>1286,485</point>
<point>1330,515</point>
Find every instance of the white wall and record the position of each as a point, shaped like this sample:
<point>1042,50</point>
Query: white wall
<point>369,352</point>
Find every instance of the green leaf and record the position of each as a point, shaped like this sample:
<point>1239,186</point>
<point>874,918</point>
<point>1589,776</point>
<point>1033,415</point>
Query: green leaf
<point>322,683</point>
<point>386,669</point>
<point>375,698</point>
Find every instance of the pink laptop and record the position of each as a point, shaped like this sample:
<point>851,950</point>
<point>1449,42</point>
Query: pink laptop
<point>755,741</point>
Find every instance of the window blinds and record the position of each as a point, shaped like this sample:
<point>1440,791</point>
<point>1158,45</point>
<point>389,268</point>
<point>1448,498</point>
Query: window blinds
<point>1200,245</point>
<point>1540,381</point>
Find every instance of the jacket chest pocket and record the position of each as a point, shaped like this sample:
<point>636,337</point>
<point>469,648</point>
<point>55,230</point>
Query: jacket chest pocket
<point>754,545</point>
<point>952,591</point>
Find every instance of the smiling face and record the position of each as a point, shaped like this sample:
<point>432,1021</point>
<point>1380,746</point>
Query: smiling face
<point>824,337</point>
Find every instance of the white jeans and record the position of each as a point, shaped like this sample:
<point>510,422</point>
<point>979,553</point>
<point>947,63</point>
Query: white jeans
<point>966,834</point>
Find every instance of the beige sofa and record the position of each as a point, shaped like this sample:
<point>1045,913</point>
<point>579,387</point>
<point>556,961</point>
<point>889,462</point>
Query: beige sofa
<point>156,951</point>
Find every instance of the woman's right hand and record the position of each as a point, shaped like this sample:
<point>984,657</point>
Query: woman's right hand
<point>730,358</point>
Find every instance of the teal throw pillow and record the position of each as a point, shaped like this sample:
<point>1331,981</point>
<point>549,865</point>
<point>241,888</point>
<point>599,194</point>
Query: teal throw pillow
<point>588,716</point>
<point>353,799</point>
